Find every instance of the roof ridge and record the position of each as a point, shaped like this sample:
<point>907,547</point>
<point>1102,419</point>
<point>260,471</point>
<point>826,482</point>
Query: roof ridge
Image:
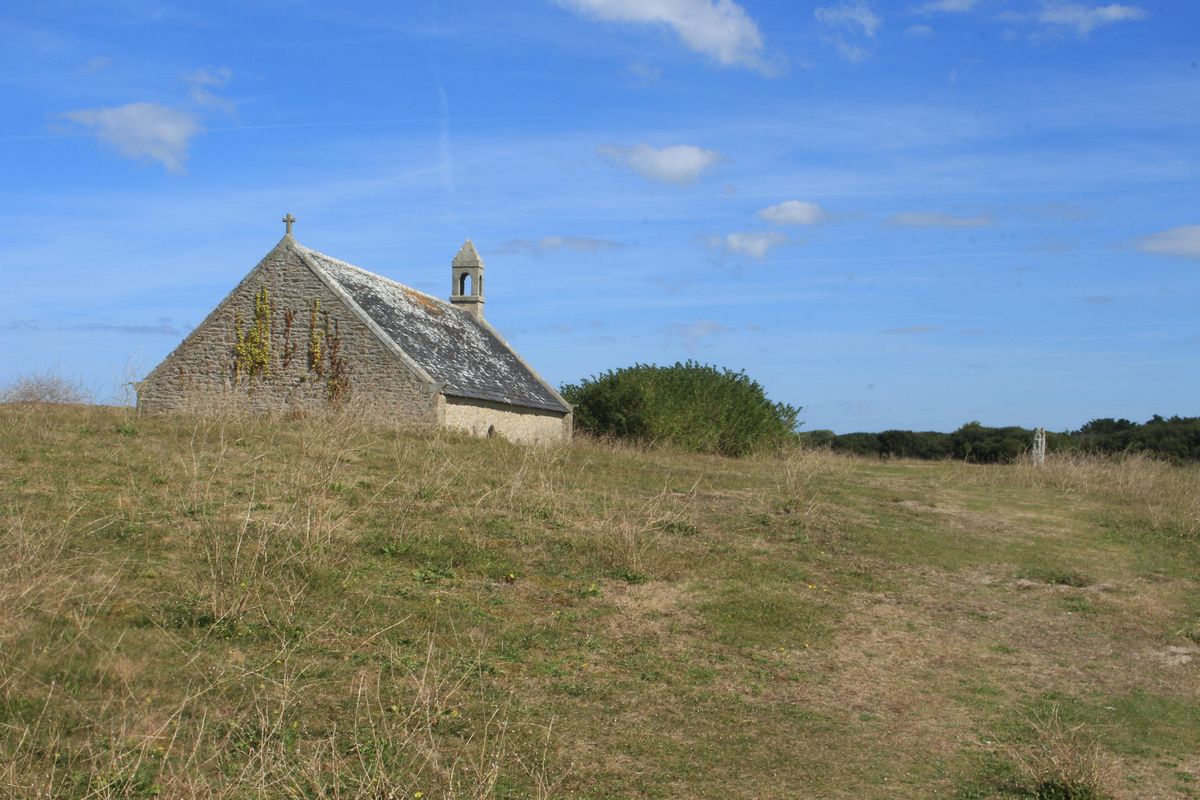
<point>393,281</point>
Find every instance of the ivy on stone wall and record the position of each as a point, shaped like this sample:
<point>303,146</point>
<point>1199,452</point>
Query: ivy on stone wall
<point>316,338</point>
<point>289,347</point>
<point>339,372</point>
<point>252,345</point>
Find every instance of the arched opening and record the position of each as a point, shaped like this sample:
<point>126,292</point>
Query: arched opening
<point>464,284</point>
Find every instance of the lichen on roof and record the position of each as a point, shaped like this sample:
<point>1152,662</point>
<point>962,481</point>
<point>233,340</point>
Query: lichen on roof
<point>426,302</point>
<point>447,342</point>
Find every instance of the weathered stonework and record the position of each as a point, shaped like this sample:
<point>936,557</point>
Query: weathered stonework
<point>201,371</point>
<point>294,336</point>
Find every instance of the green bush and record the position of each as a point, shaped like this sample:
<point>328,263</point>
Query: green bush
<point>692,406</point>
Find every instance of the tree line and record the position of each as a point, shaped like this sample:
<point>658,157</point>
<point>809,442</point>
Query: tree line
<point>1174,438</point>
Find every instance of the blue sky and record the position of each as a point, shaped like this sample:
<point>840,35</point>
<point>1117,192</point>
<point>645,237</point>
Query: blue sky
<point>895,214</point>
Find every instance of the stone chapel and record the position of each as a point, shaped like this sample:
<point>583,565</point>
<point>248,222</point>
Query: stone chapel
<point>303,331</point>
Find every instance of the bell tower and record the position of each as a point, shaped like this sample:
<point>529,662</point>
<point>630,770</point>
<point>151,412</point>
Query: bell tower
<point>466,271</point>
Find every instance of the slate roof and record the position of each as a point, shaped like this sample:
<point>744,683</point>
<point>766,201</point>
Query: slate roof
<point>447,342</point>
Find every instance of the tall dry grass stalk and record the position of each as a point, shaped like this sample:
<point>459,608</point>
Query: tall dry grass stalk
<point>1062,761</point>
<point>27,549</point>
<point>800,472</point>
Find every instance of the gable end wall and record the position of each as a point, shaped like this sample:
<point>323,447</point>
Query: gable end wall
<point>198,375</point>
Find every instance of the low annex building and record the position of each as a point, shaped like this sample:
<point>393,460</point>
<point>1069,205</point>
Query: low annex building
<point>304,331</point>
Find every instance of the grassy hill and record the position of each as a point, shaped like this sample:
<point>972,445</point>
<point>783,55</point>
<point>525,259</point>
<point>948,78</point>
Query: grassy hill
<point>229,608</point>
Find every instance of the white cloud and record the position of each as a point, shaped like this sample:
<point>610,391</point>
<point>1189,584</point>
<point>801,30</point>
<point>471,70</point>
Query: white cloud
<point>794,212</point>
<point>851,52</point>
<point>854,17</point>
<point>693,332</point>
<point>720,29</point>
<point>680,164</point>
<point>643,74</point>
<point>847,21</point>
<point>923,219</point>
<point>1182,242</point>
<point>754,245</point>
<point>1085,18</point>
<point>555,244</point>
<point>1080,18</point>
<point>946,6</point>
<point>203,81</point>
<point>142,131</point>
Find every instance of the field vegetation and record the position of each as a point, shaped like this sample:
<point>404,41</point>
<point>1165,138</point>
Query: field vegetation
<point>230,607</point>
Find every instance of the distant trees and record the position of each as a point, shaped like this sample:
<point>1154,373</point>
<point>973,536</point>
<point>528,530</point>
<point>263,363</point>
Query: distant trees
<point>692,406</point>
<point>1176,438</point>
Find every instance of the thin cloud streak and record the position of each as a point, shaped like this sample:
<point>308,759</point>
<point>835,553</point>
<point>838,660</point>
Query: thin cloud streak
<point>946,6</point>
<point>1058,16</point>
<point>1181,242</point>
<point>921,219</point>
<point>162,328</point>
<point>913,330</point>
<point>794,212</point>
<point>693,333</point>
<point>755,244</point>
<point>554,244</point>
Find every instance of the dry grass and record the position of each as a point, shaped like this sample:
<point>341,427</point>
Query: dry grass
<point>1163,495</point>
<point>219,606</point>
<point>390,746</point>
<point>1062,762</point>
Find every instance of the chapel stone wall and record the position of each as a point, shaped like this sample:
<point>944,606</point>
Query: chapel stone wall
<point>320,355</point>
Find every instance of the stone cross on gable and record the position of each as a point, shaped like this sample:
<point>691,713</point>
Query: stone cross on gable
<point>288,220</point>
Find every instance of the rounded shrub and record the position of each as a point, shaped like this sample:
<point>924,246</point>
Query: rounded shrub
<point>692,406</point>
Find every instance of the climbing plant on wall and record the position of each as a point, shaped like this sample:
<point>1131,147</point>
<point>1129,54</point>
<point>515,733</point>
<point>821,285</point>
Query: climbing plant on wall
<point>289,347</point>
<point>252,347</point>
<point>252,343</point>
<point>339,372</point>
<point>316,338</point>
